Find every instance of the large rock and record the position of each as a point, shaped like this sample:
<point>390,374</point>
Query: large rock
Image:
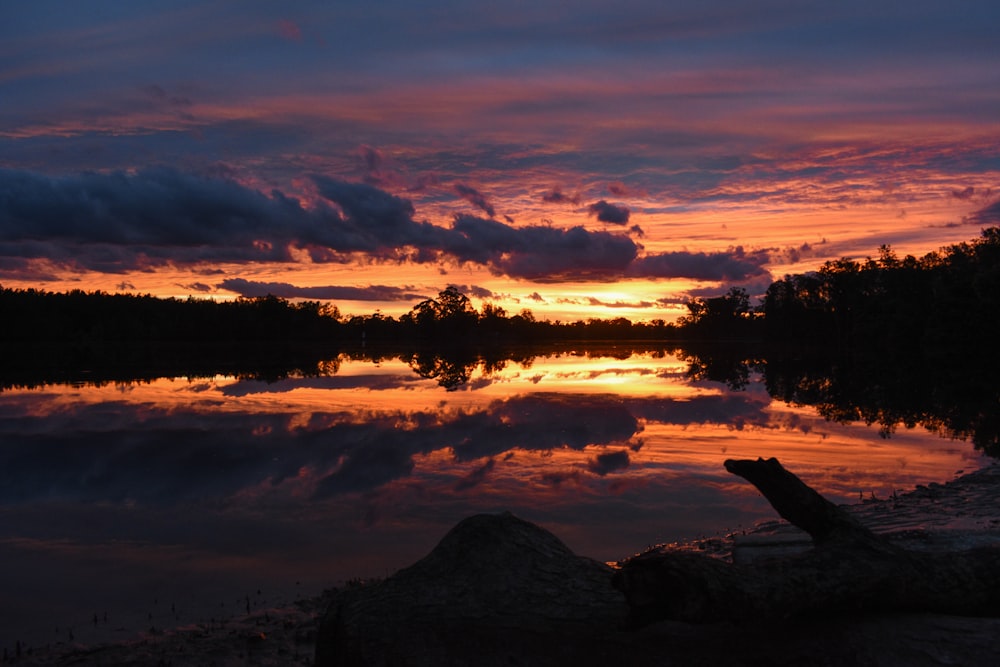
<point>496,590</point>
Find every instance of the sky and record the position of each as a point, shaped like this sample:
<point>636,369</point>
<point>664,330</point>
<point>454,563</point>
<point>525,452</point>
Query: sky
<point>578,159</point>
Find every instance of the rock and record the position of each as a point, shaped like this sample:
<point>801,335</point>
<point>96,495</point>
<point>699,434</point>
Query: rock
<point>495,590</point>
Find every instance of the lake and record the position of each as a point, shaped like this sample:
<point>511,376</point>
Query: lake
<point>167,502</point>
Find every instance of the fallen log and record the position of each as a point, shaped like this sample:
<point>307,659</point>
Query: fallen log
<point>850,569</point>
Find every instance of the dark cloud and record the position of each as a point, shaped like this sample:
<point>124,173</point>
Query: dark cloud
<point>988,215</point>
<point>527,422</point>
<point>967,193</point>
<point>372,160</point>
<point>610,213</point>
<point>476,477</point>
<point>196,287</point>
<point>121,221</point>
<point>755,287</point>
<point>609,462</point>
<point>378,462</point>
<point>735,409</point>
<point>543,253</point>
<point>476,198</point>
<point>619,189</point>
<point>253,288</point>
<point>374,382</point>
<point>373,218</point>
<point>733,265</point>
<point>476,291</point>
<point>556,196</point>
<point>118,222</point>
<point>593,301</point>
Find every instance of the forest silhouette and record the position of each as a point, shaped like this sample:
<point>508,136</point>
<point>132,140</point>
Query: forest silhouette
<point>885,340</point>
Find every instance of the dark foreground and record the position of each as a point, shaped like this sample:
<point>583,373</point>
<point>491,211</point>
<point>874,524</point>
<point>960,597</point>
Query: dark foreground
<point>498,590</point>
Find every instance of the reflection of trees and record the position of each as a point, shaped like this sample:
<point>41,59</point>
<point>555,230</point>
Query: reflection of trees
<point>958,399</point>
<point>719,363</point>
<point>451,369</point>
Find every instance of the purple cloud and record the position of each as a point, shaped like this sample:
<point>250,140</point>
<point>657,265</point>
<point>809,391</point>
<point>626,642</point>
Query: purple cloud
<point>476,198</point>
<point>609,462</point>
<point>543,253</point>
<point>733,265</point>
<point>253,288</point>
<point>988,215</point>
<point>117,222</point>
<point>556,196</point>
<point>610,213</point>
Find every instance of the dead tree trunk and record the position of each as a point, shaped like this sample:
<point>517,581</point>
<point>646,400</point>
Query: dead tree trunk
<point>850,569</point>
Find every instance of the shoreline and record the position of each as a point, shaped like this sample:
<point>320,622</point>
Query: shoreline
<point>959,514</point>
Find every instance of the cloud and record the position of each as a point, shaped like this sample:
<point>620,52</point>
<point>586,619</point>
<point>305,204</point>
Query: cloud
<point>556,196</point>
<point>754,287</point>
<point>252,288</point>
<point>619,189</point>
<point>195,287</point>
<point>119,221</point>
<point>609,462</point>
<point>593,301</point>
<point>733,265</point>
<point>542,253</point>
<point>610,213</point>
<point>476,291</point>
<point>476,198</point>
<point>476,477</point>
<point>289,30</point>
<point>988,215</point>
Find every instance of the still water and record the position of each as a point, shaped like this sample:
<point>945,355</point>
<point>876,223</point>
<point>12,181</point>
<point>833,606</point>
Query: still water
<point>159,504</point>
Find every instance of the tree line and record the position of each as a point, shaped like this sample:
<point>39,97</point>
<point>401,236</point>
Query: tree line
<point>79,317</point>
<point>948,300</point>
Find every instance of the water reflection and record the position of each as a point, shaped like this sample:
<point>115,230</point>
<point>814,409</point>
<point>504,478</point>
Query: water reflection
<point>113,496</point>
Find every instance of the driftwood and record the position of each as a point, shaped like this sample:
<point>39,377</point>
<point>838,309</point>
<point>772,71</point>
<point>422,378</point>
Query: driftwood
<point>849,570</point>
<point>498,590</point>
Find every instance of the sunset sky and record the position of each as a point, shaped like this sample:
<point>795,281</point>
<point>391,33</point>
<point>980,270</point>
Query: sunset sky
<point>580,159</point>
